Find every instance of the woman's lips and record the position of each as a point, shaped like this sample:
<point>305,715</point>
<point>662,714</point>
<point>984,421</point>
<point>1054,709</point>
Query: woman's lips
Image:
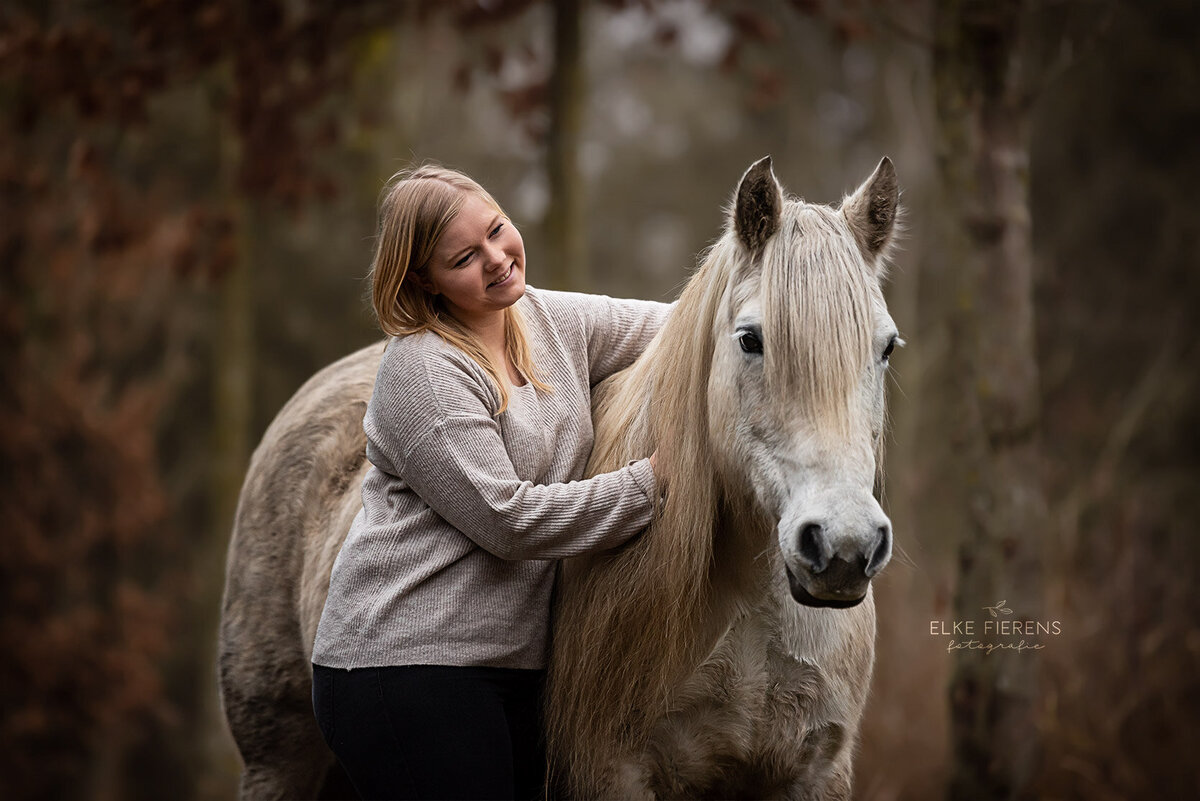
<point>504,279</point>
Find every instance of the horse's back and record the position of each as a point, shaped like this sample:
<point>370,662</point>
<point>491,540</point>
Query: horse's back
<point>297,502</point>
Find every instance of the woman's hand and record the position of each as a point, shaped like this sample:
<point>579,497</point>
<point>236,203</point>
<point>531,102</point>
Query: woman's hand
<point>659,477</point>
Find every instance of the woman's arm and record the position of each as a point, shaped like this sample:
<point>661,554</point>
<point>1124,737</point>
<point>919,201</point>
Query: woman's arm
<point>431,423</point>
<point>619,337</point>
<point>462,470</point>
<point>617,330</point>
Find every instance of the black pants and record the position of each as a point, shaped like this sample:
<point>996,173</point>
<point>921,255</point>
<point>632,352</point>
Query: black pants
<point>431,731</point>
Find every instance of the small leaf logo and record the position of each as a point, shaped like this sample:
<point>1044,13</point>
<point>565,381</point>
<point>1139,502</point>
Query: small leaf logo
<point>999,609</point>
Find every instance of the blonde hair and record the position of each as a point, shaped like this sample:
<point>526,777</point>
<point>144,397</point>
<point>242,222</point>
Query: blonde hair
<point>415,208</point>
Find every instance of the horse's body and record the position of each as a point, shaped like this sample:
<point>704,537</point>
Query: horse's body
<point>301,493</point>
<point>697,660</point>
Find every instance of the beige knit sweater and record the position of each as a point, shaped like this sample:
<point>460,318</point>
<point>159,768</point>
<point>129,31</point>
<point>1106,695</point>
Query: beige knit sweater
<point>451,559</point>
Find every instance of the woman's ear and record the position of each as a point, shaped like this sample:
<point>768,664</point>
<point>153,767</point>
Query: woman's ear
<point>421,278</point>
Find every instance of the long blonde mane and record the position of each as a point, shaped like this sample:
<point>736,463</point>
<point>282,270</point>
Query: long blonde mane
<point>632,623</point>
<point>816,293</point>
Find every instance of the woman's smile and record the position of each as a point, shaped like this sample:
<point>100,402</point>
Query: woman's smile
<point>504,278</point>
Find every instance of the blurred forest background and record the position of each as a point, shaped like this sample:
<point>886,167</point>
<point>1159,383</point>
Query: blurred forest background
<point>187,206</point>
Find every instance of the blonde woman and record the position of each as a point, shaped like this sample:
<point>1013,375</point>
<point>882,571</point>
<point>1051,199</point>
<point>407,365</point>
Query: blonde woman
<point>430,654</point>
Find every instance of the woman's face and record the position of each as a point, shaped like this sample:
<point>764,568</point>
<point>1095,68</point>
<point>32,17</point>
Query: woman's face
<point>478,266</point>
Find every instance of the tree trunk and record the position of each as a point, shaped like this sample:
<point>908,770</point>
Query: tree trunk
<point>233,403</point>
<point>983,133</point>
<point>565,241</point>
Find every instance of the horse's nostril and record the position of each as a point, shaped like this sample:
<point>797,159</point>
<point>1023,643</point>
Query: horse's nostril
<point>882,552</point>
<point>812,548</point>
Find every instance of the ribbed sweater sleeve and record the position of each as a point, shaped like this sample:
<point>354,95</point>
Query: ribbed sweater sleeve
<point>617,330</point>
<point>460,468</point>
<point>430,422</point>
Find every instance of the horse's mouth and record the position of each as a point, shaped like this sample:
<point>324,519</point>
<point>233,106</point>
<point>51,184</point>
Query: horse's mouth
<point>802,596</point>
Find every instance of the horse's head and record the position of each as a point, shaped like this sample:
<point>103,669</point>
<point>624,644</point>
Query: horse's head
<point>796,391</point>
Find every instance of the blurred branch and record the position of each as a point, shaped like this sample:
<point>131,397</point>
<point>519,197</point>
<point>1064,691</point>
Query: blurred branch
<point>1069,54</point>
<point>1135,415</point>
<point>885,20</point>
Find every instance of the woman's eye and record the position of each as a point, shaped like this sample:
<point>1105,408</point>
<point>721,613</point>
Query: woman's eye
<point>750,342</point>
<point>496,230</point>
<point>463,260</point>
<point>891,346</point>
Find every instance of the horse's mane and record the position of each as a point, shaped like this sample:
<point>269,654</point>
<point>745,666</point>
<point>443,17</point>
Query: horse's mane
<point>632,622</point>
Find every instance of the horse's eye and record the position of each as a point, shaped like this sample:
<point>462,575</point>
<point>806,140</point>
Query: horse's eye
<point>891,346</point>
<point>750,342</point>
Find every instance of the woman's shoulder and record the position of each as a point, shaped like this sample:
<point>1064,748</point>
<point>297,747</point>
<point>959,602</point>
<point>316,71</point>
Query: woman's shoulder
<point>555,301</point>
<point>593,313</point>
<point>557,308</point>
<point>427,369</point>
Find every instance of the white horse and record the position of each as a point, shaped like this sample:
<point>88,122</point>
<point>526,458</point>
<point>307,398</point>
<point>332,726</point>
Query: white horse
<point>683,665</point>
<point>727,652</point>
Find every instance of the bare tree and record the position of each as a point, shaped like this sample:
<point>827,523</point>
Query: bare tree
<point>983,151</point>
<point>564,221</point>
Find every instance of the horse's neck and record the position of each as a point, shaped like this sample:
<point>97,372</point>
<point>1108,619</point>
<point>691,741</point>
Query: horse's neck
<point>740,573</point>
<point>619,410</point>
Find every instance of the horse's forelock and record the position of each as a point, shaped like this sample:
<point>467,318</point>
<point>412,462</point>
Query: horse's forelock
<point>817,318</point>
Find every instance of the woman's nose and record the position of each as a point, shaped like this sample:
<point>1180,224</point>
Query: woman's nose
<point>493,254</point>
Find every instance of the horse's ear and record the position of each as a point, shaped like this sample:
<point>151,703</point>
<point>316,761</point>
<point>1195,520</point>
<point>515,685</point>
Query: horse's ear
<point>871,210</point>
<point>758,206</point>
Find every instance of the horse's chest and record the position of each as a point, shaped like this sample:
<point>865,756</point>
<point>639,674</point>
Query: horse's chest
<point>752,722</point>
